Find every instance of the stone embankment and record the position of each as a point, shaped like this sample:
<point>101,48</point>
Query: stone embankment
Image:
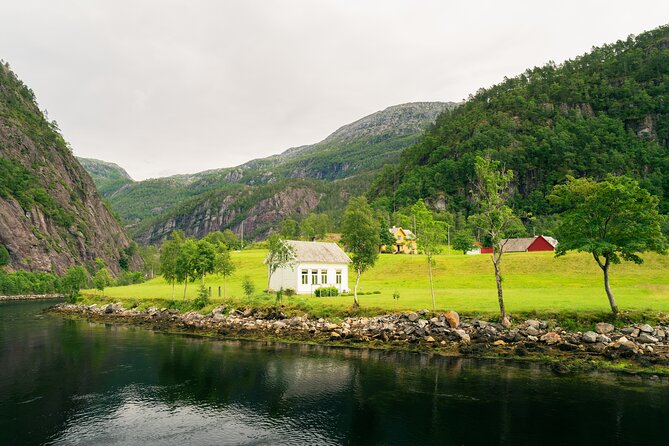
<point>646,344</point>
<point>32,296</point>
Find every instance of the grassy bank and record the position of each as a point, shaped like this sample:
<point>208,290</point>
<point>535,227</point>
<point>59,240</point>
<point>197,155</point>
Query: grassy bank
<point>533,283</point>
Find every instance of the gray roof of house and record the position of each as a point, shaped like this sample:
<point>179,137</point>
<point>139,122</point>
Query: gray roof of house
<point>516,244</point>
<point>521,244</point>
<point>318,252</point>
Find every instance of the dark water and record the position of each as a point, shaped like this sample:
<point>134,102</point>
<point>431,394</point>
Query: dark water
<point>72,382</point>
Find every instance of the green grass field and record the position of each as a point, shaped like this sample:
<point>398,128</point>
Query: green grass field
<point>533,282</point>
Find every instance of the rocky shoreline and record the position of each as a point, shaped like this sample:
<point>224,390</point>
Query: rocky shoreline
<point>446,333</point>
<point>32,297</point>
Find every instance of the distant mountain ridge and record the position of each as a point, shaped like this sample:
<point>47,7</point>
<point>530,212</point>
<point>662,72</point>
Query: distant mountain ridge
<point>108,177</point>
<point>316,177</point>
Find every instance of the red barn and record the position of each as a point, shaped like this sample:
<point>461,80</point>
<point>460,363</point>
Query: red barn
<point>526,244</point>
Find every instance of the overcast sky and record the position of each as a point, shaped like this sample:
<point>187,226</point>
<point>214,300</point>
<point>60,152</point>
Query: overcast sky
<point>164,86</point>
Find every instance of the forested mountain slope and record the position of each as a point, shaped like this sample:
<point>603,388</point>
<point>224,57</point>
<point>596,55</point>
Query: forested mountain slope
<point>108,177</point>
<point>604,112</point>
<point>51,216</point>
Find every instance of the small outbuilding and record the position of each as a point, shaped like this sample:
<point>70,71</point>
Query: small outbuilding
<point>314,265</point>
<point>525,244</point>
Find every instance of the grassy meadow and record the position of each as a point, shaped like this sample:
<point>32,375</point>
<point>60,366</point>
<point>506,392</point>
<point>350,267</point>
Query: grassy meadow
<point>533,282</point>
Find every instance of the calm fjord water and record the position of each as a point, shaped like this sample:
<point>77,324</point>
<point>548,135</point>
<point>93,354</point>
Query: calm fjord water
<point>73,382</point>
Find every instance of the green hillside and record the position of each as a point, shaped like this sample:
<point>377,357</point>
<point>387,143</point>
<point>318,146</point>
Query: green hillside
<point>108,177</point>
<point>603,112</point>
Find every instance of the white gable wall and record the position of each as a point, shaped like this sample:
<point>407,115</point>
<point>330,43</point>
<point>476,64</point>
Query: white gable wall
<point>292,277</point>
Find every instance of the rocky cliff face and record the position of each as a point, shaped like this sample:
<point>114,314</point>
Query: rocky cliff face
<point>221,211</point>
<point>51,216</point>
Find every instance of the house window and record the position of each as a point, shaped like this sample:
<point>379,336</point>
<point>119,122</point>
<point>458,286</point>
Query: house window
<point>338,277</point>
<point>314,276</point>
<point>324,276</point>
<point>305,277</point>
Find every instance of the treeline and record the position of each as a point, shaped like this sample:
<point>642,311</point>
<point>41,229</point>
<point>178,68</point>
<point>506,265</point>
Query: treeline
<point>603,113</point>
<point>184,260</point>
<point>313,227</point>
<point>69,284</point>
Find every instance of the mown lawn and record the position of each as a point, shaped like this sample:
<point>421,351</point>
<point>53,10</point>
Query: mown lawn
<point>532,282</point>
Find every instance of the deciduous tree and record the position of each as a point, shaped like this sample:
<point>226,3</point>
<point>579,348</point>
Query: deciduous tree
<point>613,219</point>
<point>491,193</point>
<point>429,235</point>
<point>360,234</point>
<point>280,255</point>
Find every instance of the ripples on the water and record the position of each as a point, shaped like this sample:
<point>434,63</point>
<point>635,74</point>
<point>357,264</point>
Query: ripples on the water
<point>68,382</point>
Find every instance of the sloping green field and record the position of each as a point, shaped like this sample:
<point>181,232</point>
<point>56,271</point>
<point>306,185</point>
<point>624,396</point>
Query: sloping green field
<point>532,282</point>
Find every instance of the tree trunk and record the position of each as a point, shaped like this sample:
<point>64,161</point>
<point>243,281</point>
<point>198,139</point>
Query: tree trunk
<point>172,289</point>
<point>497,261</point>
<point>429,265</point>
<point>607,287</point>
<point>356,304</point>
<point>202,279</point>
<point>269,275</point>
<point>185,286</point>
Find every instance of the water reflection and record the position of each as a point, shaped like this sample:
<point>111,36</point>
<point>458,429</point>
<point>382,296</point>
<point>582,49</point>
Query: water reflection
<point>72,382</point>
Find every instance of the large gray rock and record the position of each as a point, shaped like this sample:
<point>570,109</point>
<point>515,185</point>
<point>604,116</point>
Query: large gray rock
<point>533,323</point>
<point>531,331</point>
<point>604,328</point>
<point>464,337</point>
<point>590,337</point>
<point>413,317</point>
<point>645,338</point>
<point>646,328</point>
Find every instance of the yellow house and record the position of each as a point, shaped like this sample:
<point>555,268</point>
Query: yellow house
<point>405,242</point>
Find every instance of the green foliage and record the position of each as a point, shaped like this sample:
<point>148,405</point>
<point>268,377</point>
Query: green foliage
<point>280,255</point>
<point>491,194</point>
<point>463,240</point>
<point>315,226</point>
<point>603,112</point>
<point>430,233</point>
<point>108,177</point>
<point>326,291</point>
<point>226,238</point>
<point>248,286</point>
<point>613,219</point>
<point>102,279</point>
<point>385,237</point>
<point>129,278</point>
<point>18,183</point>
<point>150,255</point>
<point>360,235</point>
<point>186,262</point>
<point>74,279</point>
<point>205,257</point>
<point>24,282</point>
<point>289,229</point>
<point>4,255</point>
<point>169,253</point>
<point>202,299</point>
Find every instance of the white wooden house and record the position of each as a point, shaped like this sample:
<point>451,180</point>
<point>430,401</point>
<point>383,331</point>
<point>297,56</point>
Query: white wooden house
<point>315,265</point>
